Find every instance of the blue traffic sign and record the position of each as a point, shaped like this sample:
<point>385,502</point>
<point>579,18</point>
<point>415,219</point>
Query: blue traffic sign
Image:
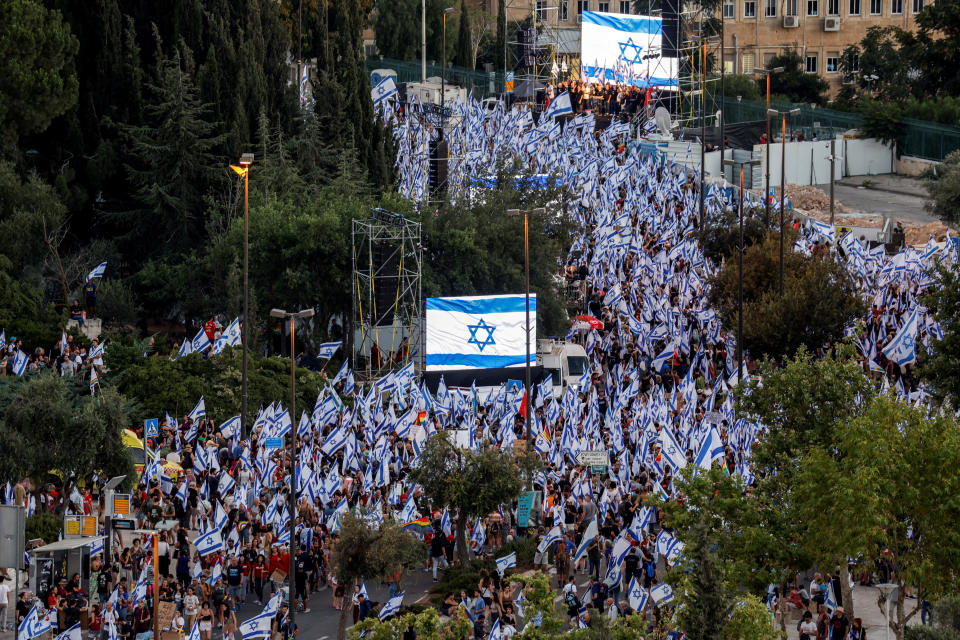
<point>151,428</point>
<point>273,443</point>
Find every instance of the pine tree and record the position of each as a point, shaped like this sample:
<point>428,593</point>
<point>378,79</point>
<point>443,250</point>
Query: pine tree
<point>501,34</point>
<point>464,54</point>
<point>173,164</point>
<point>709,605</point>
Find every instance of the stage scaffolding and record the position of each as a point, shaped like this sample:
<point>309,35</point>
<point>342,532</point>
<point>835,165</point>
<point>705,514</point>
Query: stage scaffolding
<point>387,327</point>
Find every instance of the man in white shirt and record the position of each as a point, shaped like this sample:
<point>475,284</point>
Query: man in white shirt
<point>110,619</point>
<point>4,601</point>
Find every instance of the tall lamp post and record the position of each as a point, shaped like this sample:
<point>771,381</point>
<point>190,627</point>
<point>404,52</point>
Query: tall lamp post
<point>292,500</point>
<point>443,68</point>
<point>740,266</point>
<point>243,170</point>
<point>783,174</point>
<point>766,186</point>
<point>526,276</point>
<point>423,41</point>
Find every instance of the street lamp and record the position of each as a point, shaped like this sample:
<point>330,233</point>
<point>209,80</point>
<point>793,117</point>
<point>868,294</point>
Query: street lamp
<point>783,161</point>
<point>833,157</point>
<point>443,69</point>
<point>740,267</point>
<point>766,193</point>
<point>870,78</point>
<point>243,170</point>
<point>526,274</point>
<point>292,501</point>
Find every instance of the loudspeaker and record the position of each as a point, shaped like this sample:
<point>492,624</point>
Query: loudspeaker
<point>386,261</point>
<point>672,29</point>
<point>438,168</point>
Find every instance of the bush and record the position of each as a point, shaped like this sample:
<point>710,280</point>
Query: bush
<point>45,526</point>
<point>459,578</point>
<point>930,633</point>
<point>946,612</point>
<point>525,549</point>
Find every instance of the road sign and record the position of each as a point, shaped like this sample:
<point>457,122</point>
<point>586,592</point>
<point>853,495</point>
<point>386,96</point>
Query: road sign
<point>273,443</point>
<point>121,504</point>
<point>151,428</point>
<point>509,81</point>
<point>88,525</point>
<point>597,468</point>
<point>593,458</point>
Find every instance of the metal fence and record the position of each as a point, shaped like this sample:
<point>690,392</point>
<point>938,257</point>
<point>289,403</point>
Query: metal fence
<point>482,83</point>
<point>921,139</point>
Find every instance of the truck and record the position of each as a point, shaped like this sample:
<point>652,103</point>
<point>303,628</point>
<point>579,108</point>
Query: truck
<point>564,361</point>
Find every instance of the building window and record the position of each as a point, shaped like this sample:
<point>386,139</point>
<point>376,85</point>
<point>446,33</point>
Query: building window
<point>896,7</point>
<point>811,63</point>
<point>541,10</point>
<point>813,7</point>
<point>729,10</point>
<point>625,6</point>
<point>876,7</point>
<point>564,10</point>
<point>792,8</point>
<point>747,64</point>
<point>917,6</point>
<point>771,9</point>
<point>833,62</point>
<point>583,5</point>
<point>603,7</point>
<point>833,7</point>
<point>749,8</point>
<point>854,8</point>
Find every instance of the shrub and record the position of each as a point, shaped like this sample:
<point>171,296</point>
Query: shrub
<point>45,526</point>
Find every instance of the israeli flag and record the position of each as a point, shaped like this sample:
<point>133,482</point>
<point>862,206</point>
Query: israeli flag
<point>200,341</point>
<point>327,349</point>
<point>195,631</point>
<point>230,427</point>
<point>668,546</point>
<point>3,339</point>
<point>257,626</point>
<point>96,547</point>
<point>625,49</point>
<point>506,562</point>
<point>199,411</point>
<point>552,536</point>
<point>672,450</point>
<point>588,536</point>
<point>73,633</point>
<point>385,89</point>
<point>661,593</point>
<point>479,332</point>
<point>711,449</point>
<point>559,106</point>
<point>97,272</point>
<point>209,542</point>
<point>19,363</point>
<point>637,595</point>
<point>902,349</point>
<point>392,606</point>
<point>495,633</point>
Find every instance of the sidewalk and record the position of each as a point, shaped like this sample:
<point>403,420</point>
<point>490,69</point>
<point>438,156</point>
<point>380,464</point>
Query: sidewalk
<point>889,182</point>
<point>865,608</point>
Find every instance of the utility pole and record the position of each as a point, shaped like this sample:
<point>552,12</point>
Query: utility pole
<point>423,41</point>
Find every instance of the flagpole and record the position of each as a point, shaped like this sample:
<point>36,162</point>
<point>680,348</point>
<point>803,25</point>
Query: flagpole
<point>156,581</point>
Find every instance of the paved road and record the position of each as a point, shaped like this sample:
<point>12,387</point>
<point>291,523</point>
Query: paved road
<point>901,200</point>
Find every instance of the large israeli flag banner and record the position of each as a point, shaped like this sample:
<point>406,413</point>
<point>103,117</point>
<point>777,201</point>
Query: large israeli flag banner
<point>623,48</point>
<point>479,332</point>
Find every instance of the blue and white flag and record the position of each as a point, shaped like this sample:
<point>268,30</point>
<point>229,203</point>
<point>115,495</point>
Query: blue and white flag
<point>559,106</point>
<point>384,89</point>
<point>327,349</point>
<point>479,332</point>
<point>391,606</point>
<point>200,342</point>
<point>902,349</point>
<point>637,595</point>
<point>257,626</point>
<point>506,562</point>
<point>668,546</point>
<point>552,536</point>
<point>73,633</point>
<point>209,542</point>
<point>661,593</point>
<point>97,272</point>
<point>19,363</point>
<point>33,625</point>
<point>199,411</point>
<point>195,631</point>
<point>589,535</point>
<point>619,45</point>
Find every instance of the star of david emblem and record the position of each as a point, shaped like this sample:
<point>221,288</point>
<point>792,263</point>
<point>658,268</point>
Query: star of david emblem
<point>671,450</point>
<point>474,328</point>
<point>629,44</point>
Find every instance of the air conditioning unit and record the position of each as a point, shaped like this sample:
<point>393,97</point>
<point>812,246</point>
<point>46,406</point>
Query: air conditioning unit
<point>791,22</point>
<point>831,24</point>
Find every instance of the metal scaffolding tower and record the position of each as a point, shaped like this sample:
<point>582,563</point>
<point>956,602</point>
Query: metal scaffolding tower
<point>387,327</point>
<point>532,56</point>
<point>699,70</point>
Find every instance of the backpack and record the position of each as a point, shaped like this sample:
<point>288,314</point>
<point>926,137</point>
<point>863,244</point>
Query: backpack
<point>571,600</point>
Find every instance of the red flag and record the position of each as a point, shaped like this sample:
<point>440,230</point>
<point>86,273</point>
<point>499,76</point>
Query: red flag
<point>646,98</point>
<point>523,406</point>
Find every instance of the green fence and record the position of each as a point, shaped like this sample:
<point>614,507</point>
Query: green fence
<point>920,138</point>
<point>483,84</point>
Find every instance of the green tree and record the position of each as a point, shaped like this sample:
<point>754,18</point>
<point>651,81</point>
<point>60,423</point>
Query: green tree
<point>943,302</point>
<point>881,120</point>
<point>398,28</point>
<point>473,483</point>
<point>708,606</point>
<point>501,41</point>
<point>54,431</point>
<point>741,86</point>
<point>750,621</point>
<point>879,55</point>
<point>37,77</point>
<point>426,624</point>
<point>777,326</point>
<point>173,161</point>
<point>794,83</point>
<point>943,187</point>
<point>931,51</point>
<point>803,405</point>
<point>366,552</point>
<point>894,468</point>
<point>463,56</point>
